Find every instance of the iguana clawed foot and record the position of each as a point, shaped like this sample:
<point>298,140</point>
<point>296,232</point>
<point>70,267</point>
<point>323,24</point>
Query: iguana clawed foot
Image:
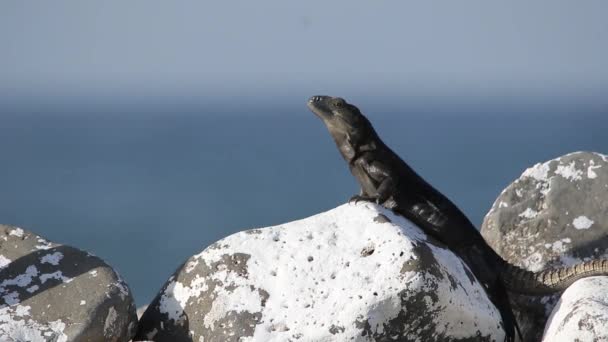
<point>357,198</point>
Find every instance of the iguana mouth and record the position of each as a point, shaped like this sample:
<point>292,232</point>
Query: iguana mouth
<point>320,106</point>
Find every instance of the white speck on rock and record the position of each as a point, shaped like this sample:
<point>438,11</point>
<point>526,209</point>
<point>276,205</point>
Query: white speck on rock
<point>529,213</point>
<point>18,232</point>
<point>83,302</point>
<point>582,222</point>
<point>559,246</point>
<point>4,261</point>
<point>538,172</point>
<point>55,275</point>
<point>43,244</point>
<point>503,204</point>
<point>590,173</point>
<point>191,265</point>
<point>569,172</point>
<point>22,310</point>
<point>52,259</point>
<point>534,262</point>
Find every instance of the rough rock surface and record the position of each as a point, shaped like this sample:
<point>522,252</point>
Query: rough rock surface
<point>52,292</point>
<point>354,273</point>
<point>555,214</point>
<point>581,313</point>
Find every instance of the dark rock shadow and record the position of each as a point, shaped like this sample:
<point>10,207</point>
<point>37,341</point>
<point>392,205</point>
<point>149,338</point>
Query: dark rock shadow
<point>151,318</point>
<point>178,331</point>
<point>23,275</point>
<point>587,249</point>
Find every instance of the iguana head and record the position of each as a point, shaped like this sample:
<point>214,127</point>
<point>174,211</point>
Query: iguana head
<point>344,121</point>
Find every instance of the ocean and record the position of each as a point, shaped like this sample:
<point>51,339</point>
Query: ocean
<point>146,186</point>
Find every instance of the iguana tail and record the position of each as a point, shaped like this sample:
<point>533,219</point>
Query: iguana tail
<point>519,280</point>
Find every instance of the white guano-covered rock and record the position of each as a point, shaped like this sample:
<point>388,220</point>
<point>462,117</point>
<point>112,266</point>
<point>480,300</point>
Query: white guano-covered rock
<point>581,313</point>
<point>53,292</point>
<point>354,273</point>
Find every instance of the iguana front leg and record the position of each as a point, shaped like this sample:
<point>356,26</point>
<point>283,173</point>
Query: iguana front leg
<point>361,197</point>
<point>384,190</point>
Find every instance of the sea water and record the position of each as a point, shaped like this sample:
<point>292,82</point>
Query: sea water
<point>144,187</point>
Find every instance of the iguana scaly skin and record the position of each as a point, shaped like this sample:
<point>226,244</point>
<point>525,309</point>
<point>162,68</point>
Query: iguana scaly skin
<point>387,180</point>
<point>549,281</point>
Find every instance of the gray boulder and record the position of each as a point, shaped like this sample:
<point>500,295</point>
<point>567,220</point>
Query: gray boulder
<point>555,214</point>
<point>354,273</point>
<point>53,292</point>
<point>581,313</point>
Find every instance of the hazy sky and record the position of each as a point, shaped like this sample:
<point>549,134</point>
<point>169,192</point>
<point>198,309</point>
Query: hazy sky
<point>260,44</point>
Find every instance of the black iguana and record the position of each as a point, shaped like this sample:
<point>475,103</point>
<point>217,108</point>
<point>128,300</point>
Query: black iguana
<point>387,180</point>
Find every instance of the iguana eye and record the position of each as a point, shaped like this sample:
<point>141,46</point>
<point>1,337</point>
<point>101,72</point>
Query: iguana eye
<point>339,103</point>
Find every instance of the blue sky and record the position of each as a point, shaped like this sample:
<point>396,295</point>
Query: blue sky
<point>219,46</point>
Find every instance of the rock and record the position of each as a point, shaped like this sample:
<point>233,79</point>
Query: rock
<point>53,292</point>
<point>555,211</point>
<point>354,273</point>
<point>555,214</point>
<point>581,313</point>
